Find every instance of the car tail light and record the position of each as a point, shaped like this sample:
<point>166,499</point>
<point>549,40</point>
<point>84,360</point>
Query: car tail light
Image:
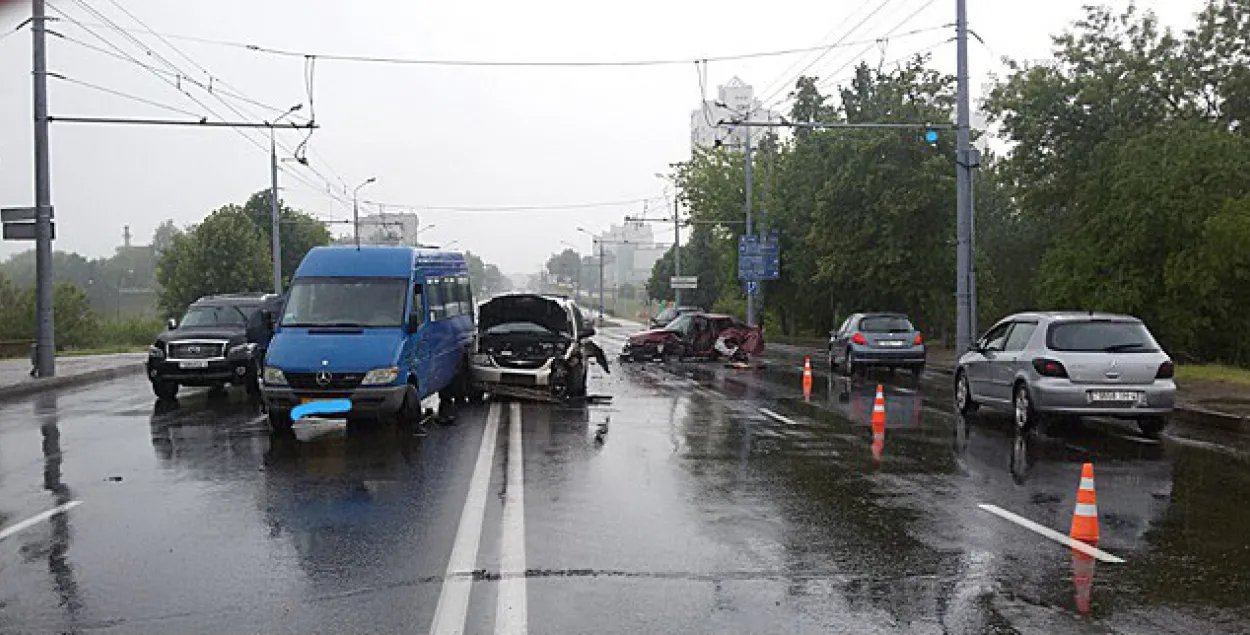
<point>918,341</point>
<point>1166,370</point>
<point>858,338</point>
<point>1049,368</point>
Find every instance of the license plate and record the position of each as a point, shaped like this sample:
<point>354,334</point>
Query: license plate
<point>192,364</point>
<point>1113,395</point>
<point>890,343</point>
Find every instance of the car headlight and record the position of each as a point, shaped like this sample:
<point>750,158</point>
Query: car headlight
<point>274,376</point>
<point>156,351</point>
<point>482,359</point>
<point>242,349</point>
<point>380,376</point>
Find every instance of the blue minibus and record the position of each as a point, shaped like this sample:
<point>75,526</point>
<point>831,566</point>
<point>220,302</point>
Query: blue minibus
<point>383,326</point>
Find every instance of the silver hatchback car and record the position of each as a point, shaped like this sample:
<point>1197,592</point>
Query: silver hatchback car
<point>1071,364</point>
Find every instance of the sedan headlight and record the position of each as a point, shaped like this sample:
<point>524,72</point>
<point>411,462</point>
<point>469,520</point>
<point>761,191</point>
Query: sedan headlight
<point>379,376</point>
<point>482,359</point>
<point>156,352</point>
<point>274,376</point>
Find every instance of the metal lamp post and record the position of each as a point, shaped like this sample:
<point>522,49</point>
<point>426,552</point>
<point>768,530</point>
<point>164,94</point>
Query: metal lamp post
<point>356,208</point>
<point>275,213</point>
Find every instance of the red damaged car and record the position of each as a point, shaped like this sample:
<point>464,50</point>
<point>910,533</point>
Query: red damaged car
<point>700,335</point>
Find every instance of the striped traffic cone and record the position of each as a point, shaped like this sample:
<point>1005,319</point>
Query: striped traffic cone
<point>878,424</point>
<point>807,379</point>
<point>1085,516</point>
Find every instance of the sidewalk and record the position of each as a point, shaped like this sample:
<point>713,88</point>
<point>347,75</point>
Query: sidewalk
<point>1211,403</point>
<point>15,379</point>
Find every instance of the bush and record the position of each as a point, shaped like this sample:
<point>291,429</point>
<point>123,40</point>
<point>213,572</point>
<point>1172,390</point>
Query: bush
<point>131,332</point>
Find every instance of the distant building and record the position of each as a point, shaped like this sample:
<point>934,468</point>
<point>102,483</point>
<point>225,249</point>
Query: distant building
<point>629,251</point>
<point>387,228</point>
<point>734,100</point>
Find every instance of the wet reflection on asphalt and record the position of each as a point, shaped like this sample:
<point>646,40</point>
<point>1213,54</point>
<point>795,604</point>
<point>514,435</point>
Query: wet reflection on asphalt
<point>699,499</point>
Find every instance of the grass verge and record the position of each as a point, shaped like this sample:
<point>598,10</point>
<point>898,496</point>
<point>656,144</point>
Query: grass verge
<point>1213,372</point>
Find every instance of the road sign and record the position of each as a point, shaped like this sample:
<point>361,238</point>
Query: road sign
<point>759,259</point>
<point>20,214</point>
<point>684,282</point>
<point>753,288</point>
<point>23,231</point>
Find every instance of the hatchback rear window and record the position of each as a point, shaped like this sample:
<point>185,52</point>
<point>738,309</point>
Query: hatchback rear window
<point>1102,336</point>
<point>885,324</point>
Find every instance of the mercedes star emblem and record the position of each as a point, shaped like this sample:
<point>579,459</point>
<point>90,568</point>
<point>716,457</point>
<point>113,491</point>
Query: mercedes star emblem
<point>323,378</point>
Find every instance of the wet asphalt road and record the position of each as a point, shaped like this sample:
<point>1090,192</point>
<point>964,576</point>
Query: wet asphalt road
<point>699,500</point>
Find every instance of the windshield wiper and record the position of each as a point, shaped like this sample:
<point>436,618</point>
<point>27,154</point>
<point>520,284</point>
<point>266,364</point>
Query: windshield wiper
<point>1115,348</point>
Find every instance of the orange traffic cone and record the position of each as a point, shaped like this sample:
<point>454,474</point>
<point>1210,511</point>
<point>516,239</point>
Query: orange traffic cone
<point>1085,517</point>
<point>807,378</point>
<point>878,424</point>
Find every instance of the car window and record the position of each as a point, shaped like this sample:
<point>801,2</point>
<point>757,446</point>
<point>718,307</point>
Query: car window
<point>842,329</point>
<point>1019,336</point>
<point>994,340</point>
<point>885,324</point>
<point>1108,336</point>
<point>214,316</point>
<point>680,325</point>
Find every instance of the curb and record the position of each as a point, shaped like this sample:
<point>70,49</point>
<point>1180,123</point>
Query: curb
<point>27,388</point>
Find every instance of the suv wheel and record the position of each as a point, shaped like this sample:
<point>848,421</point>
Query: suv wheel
<point>165,389</point>
<point>1026,416</point>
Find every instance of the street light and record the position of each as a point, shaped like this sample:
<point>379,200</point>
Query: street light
<point>676,241</point>
<point>274,231</point>
<point>356,208</point>
<point>594,240</point>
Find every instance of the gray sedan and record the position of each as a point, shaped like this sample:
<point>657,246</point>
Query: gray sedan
<point>1070,364</point>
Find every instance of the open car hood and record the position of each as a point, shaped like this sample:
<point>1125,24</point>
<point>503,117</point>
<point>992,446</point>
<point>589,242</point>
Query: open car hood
<point>535,309</point>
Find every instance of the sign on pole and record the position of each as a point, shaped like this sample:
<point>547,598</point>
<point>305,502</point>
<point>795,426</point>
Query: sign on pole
<point>20,214</point>
<point>759,258</point>
<point>24,231</point>
<point>684,282</point>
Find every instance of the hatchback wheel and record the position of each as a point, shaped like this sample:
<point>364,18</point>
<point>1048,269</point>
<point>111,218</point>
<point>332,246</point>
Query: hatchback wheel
<point>1152,426</point>
<point>963,395</point>
<point>1026,416</point>
<point>848,366</point>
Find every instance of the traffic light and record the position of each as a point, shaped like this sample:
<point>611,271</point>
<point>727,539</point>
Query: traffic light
<point>931,135</point>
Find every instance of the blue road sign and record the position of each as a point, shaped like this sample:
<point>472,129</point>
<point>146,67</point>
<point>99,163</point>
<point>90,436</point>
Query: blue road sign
<point>931,136</point>
<point>759,259</point>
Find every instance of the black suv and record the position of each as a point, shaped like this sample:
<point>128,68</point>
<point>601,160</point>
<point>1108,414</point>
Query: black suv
<point>220,340</point>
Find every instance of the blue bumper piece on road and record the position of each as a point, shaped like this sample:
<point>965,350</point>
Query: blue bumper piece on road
<point>328,406</point>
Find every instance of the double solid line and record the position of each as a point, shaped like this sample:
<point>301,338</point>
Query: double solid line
<point>511,608</point>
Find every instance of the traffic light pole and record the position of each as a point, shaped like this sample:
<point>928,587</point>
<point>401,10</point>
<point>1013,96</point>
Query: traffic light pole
<point>45,345</point>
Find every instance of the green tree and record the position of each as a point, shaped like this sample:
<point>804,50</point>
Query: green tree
<point>299,232</point>
<point>76,325</point>
<point>223,254</point>
<point>565,266</point>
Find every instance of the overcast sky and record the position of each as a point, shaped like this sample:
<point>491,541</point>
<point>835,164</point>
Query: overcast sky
<point>440,136</point>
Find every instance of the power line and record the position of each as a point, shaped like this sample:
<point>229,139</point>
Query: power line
<point>162,71</point>
<point>371,59</point>
<point>517,208</point>
<point>873,13</point>
<point>768,88</point>
<point>181,75</point>
<point>898,60</point>
<point>14,31</point>
<point>886,38</point>
<point>119,93</point>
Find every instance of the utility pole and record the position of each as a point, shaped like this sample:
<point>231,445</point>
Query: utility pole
<point>600,279</point>
<point>749,228</point>
<point>965,325</point>
<point>676,249</point>
<point>45,344</point>
<point>274,214</point>
<point>356,209</point>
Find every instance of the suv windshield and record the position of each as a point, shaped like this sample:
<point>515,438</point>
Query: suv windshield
<point>1105,336</point>
<point>350,302</point>
<point>885,324</point>
<point>222,315</point>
